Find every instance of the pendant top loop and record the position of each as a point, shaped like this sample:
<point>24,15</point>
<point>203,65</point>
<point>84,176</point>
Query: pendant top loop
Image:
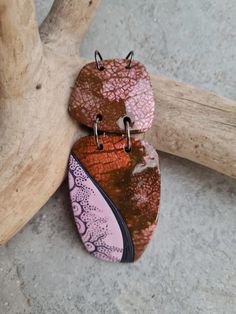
<point>129,57</point>
<point>99,64</point>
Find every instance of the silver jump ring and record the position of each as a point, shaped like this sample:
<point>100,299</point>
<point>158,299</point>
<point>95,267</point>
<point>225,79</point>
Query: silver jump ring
<point>95,129</point>
<point>127,130</point>
<point>99,64</point>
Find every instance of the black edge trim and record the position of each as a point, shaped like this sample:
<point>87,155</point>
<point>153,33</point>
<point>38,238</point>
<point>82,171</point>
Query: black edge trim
<point>128,253</point>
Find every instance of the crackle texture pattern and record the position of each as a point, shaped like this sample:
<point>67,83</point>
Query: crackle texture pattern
<point>190,264</point>
<point>130,180</point>
<point>114,93</point>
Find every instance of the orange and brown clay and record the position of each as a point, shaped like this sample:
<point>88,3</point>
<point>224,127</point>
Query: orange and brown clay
<point>130,180</point>
<point>113,93</point>
<point>115,192</point>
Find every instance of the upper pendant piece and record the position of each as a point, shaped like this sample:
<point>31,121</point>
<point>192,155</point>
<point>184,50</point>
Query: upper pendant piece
<point>113,92</point>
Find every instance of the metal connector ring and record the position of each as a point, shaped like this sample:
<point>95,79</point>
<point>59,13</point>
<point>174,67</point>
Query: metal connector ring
<point>128,136</point>
<point>95,130</point>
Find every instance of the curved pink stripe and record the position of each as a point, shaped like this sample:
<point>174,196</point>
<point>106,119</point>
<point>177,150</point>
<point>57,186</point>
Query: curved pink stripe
<point>95,220</point>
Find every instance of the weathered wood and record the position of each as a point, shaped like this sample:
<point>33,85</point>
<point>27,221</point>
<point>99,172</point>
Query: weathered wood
<point>36,131</point>
<point>194,124</point>
<point>19,42</point>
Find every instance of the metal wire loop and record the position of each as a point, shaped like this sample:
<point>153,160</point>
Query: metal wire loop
<point>99,63</point>
<point>127,130</point>
<point>129,57</point>
<point>95,129</point>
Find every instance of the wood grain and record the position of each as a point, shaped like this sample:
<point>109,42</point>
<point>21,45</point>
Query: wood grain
<point>194,124</point>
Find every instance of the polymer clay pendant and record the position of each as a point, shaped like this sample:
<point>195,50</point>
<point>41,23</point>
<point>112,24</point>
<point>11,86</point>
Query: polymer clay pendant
<point>114,179</point>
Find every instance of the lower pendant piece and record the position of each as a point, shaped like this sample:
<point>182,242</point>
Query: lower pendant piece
<point>115,196</point>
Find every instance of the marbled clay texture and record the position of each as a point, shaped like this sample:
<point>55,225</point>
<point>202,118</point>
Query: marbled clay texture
<point>114,93</point>
<point>131,180</point>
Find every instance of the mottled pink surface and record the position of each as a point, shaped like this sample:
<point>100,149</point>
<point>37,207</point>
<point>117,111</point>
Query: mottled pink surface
<point>114,93</point>
<point>96,223</point>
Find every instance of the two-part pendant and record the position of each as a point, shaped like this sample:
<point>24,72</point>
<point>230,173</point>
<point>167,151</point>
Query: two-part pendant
<point>114,178</point>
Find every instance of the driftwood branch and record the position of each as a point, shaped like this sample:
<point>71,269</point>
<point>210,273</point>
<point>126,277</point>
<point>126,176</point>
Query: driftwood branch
<point>194,124</point>
<point>36,73</point>
<point>19,46</point>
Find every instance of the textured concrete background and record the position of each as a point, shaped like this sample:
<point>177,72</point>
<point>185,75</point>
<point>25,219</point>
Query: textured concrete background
<point>190,265</point>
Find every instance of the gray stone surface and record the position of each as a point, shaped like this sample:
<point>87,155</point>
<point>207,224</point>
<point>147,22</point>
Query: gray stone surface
<point>190,264</point>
